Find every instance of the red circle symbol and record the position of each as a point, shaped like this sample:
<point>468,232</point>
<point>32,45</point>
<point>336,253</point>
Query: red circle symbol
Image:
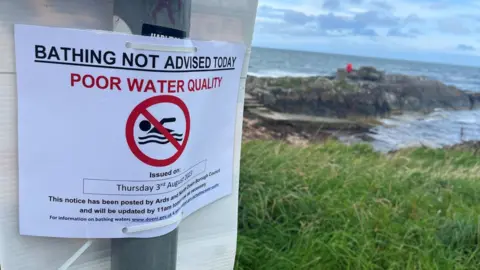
<point>141,109</point>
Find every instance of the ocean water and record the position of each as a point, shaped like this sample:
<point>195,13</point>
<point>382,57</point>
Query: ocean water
<point>440,128</point>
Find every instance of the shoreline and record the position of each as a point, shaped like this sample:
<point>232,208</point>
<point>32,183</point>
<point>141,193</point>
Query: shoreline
<point>257,130</point>
<point>311,109</point>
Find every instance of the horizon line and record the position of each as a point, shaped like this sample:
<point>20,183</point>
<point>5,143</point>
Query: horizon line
<point>375,57</point>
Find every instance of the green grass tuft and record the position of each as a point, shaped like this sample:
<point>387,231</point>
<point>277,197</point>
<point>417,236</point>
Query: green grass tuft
<point>344,85</point>
<point>333,206</point>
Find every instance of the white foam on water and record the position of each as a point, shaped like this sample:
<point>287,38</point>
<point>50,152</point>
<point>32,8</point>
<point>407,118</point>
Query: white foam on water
<point>280,73</point>
<point>440,128</point>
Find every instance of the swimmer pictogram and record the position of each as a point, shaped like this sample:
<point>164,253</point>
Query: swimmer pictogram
<point>155,136</point>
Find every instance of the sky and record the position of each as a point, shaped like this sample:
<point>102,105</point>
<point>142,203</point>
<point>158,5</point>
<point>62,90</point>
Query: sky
<point>446,31</point>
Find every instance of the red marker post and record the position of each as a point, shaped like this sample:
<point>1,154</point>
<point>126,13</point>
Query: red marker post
<point>349,68</point>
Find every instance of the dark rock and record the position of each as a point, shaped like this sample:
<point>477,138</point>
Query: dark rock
<point>468,146</point>
<point>474,100</point>
<point>370,74</point>
<point>253,83</point>
<point>363,92</point>
<point>321,83</point>
<point>411,104</point>
<point>394,101</point>
<point>341,74</point>
<point>425,95</point>
<point>362,74</point>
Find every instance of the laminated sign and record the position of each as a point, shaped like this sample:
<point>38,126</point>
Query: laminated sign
<point>118,132</point>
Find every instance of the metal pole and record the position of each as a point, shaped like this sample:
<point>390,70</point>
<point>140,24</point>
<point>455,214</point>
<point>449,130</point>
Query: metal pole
<point>150,18</point>
<point>159,253</point>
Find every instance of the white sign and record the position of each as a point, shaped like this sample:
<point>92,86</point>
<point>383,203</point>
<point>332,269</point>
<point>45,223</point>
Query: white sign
<point>115,132</point>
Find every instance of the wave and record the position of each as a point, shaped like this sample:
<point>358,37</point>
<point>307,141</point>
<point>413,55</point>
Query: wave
<point>437,129</point>
<point>160,137</point>
<point>154,141</point>
<point>282,73</point>
<point>158,141</point>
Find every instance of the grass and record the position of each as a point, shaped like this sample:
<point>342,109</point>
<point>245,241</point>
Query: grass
<point>291,82</point>
<point>332,206</point>
<point>343,85</point>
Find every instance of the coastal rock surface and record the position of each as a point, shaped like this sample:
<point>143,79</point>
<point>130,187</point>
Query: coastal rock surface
<point>365,92</point>
<point>470,146</point>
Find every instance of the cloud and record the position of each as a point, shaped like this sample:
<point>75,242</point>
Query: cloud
<point>331,23</point>
<point>341,25</point>
<point>269,12</point>
<point>395,32</point>
<point>413,19</point>
<point>453,26</point>
<point>415,31</point>
<point>438,5</point>
<point>295,17</point>
<point>382,5</point>
<point>336,4</point>
<point>404,33</point>
<point>359,21</point>
<point>331,4</point>
<point>376,18</point>
<point>463,47</point>
<point>365,32</point>
<point>430,26</point>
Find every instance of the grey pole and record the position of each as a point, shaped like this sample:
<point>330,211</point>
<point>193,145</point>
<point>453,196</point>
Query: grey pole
<point>150,18</point>
<point>159,253</point>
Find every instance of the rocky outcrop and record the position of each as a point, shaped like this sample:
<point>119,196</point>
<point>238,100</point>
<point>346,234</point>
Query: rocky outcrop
<point>474,100</point>
<point>468,146</point>
<point>364,92</point>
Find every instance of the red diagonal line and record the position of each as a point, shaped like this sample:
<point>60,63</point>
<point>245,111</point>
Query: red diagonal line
<point>161,129</point>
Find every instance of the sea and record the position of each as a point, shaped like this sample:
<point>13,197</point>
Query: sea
<point>438,129</point>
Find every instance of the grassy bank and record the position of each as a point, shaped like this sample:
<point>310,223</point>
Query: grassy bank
<point>338,207</point>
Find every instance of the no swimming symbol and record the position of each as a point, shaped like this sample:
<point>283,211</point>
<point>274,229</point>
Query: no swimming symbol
<point>155,131</point>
